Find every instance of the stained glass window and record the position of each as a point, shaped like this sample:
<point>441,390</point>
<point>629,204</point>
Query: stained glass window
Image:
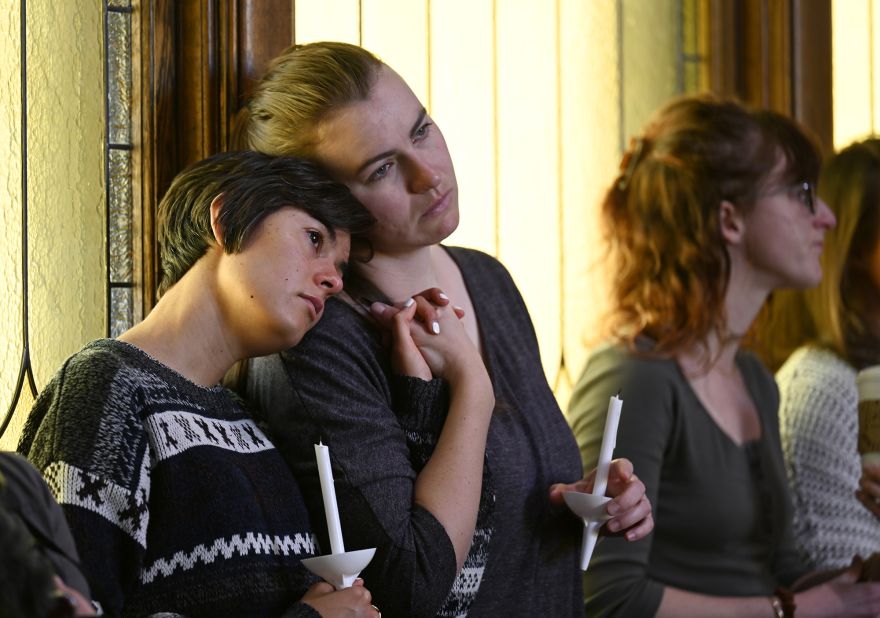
<point>119,202</point>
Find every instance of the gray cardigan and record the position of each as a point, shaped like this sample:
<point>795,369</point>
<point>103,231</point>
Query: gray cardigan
<point>381,429</point>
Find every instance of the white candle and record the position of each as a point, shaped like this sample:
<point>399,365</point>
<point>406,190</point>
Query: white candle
<point>334,529</point>
<point>609,439</point>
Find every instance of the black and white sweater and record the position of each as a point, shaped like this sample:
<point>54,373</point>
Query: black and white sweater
<point>178,502</point>
<point>337,385</point>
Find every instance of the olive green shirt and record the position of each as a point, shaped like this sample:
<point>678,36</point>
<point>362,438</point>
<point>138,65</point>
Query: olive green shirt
<point>722,510</point>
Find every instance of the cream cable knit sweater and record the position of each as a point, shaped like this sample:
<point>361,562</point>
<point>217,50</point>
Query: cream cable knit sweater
<point>818,422</point>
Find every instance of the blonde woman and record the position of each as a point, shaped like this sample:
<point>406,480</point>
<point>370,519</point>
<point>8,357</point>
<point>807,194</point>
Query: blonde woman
<point>449,454</point>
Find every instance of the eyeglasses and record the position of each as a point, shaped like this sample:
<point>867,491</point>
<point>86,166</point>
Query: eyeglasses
<point>804,192</point>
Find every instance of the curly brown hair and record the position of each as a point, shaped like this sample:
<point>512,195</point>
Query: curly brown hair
<point>661,216</point>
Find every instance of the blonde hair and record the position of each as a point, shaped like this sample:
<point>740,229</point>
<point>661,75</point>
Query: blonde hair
<point>300,88</point>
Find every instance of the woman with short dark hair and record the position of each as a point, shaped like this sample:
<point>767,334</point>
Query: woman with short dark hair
<point>177,500</point>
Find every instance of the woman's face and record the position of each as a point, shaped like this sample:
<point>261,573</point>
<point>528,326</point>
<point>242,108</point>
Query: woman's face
<point>273,291</point>
<point>785,234</point>
<point>394,159</point>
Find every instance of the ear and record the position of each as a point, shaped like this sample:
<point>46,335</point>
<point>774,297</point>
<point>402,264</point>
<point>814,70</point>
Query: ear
<point>732,222</point>
<point>216,228</point>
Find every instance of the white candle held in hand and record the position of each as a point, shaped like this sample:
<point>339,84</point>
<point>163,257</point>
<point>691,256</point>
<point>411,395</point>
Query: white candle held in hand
<point>334,529</point>
<point>609,440</point>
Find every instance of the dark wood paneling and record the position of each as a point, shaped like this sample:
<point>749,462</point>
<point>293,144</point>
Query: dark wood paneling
<point>724,18</point>
<point>265,30</point>
<point>775,54</point>
<point>813,97</point>
<point>195,92</point>
<point>196,61</point>
<point>155,112</point>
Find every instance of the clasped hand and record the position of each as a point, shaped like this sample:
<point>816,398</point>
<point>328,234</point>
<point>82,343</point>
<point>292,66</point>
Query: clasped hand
<point>427,339</point>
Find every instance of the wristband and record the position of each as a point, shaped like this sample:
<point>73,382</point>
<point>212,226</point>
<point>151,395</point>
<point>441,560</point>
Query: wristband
<point>776,604</point>
<point>783,603</point>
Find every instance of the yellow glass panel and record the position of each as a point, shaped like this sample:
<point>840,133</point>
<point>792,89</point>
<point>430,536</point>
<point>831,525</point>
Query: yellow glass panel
<point>650,66</point>
<point>528,163</point>
<point>398,33</point>
<point>463,105</point>
<point>591,122</point>
<point>65,180</point>
<point>851,75</point>
<point>326,20</point>
<point>11,347</point>
<point>875,69</point>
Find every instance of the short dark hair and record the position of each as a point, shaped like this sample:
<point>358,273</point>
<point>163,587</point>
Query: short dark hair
<point>253,185</point>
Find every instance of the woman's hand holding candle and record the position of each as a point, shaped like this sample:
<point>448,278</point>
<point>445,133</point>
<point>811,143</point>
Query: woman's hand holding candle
<point>629,508</point>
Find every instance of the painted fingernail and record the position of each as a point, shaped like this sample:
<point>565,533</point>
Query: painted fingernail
<point>443,296</point>
<point>630,536</point>
<point>614,526</point>
<point>457,308</point>
<point>409,303</point>
<point>435,326</point>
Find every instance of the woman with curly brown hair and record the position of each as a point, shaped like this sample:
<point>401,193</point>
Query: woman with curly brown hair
<point>713,210</point>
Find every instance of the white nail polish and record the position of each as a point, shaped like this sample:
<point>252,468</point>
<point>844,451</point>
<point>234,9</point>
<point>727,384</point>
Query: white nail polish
<point>443,296</point>
<point>435,326</point>
<point>409,303</point>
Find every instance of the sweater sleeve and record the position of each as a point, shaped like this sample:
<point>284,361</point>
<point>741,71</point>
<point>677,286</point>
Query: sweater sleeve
<point>335,387</point>
<point>82,435</point>
<point>301,610</point>
<point>819,425</point>
<point>617,581</point>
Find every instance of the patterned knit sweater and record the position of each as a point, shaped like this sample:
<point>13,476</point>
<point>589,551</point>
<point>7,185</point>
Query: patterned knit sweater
<point>819,423</point>
<point>337,385</point>
<point>176,499</point>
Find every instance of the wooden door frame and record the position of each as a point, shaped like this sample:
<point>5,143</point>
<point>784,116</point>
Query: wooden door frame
<point>775,54</point>
<point>197,61</point>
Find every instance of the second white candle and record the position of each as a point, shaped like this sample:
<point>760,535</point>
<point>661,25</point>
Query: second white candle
<point>609,440</point>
